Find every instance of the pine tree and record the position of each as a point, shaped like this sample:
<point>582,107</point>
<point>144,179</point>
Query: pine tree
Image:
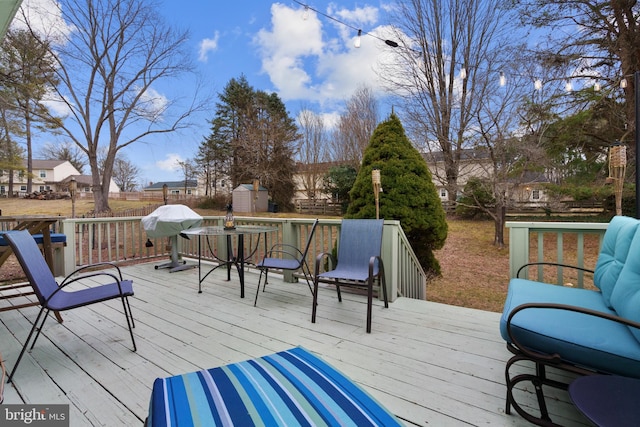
<point>409,194</point>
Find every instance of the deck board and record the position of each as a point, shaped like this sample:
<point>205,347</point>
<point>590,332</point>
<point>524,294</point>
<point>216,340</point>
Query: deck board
<point>428,363</point>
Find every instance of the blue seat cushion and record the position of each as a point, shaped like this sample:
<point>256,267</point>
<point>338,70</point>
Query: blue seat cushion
<point>55,238</point>
<point>625,298</point>
<point>580,339</point>
<point>290,388</point>
<point>613,254</point>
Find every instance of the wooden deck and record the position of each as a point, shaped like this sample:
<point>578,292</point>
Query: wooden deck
<point>428,363</point>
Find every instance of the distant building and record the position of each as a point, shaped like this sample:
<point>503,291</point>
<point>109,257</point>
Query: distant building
<point>48,175</point>
<point>190,187</point>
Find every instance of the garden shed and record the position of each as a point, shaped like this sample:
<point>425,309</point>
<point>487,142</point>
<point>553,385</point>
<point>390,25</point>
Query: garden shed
<point>245,200</point>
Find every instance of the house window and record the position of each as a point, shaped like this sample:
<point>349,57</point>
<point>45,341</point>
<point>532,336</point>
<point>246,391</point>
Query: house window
<point>2,189</point>
<point>1,172</point>
<point>43,174</point>
<point>535,195</point>
<point>41,189</point>
<point>21,175</point>
<point>443,193</point>
<point>189,191</point>
<point>87,189</point>
<point>23,188</point>
<point>175,191</point>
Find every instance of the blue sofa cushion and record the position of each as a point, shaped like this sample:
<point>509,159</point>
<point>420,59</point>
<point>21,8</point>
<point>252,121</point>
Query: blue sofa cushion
<point>578,338</point>
<point>625,298</point>
<point>613,254</point>
<point>55,238</point>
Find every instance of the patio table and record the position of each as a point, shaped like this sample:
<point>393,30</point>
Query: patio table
<point>239,258</point>
<point>607,400</point>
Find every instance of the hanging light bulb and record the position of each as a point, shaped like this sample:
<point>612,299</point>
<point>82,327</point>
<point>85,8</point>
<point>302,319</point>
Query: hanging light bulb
<point>356,43</point>
<point>463,73</point>
<point>623,83</point>
<point>305,14</point>
<point>537,84</point>
<point>503,79</point>
<point>597,87</point>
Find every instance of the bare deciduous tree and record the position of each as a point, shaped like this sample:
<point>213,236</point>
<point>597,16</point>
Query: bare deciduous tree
<point>64,151</point>
<point>448,51</point>
<point>312,151</point>
<point>355,127</point>
<point>125,173</point>
<point>110,66</point>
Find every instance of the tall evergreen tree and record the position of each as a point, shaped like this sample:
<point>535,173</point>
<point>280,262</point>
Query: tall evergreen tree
<point>409,194</point>
<point>260,135</point>
<point>28,73</point>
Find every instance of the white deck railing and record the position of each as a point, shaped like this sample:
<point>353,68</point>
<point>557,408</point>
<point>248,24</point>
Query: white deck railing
<point>124,240</point>
<point>548,240</point>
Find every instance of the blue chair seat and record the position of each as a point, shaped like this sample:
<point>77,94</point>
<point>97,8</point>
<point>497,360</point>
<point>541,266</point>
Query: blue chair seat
<point>279,264</point>
<point>73,299</point>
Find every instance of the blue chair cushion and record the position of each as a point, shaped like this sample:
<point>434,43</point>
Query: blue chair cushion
<point>55,238</point>
<point>582,340</point>
<point>613,254</point>
<point>625,298</point>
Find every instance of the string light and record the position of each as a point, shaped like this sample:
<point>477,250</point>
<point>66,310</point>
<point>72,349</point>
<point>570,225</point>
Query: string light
<point>356,43</point>
<point>537,84</point>
<point>388,42</point>
<point>503,79</point>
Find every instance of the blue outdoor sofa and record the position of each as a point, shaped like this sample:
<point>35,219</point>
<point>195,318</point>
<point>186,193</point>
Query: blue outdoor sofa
<point>577,330</point>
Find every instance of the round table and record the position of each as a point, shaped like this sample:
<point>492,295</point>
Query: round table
<point>607,400</point>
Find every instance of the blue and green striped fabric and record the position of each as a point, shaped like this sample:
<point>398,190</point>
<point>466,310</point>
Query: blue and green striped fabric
<point>289,388</point>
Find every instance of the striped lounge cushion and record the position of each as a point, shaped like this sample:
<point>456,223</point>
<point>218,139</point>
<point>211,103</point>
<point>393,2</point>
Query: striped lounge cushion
<point>288,388</point>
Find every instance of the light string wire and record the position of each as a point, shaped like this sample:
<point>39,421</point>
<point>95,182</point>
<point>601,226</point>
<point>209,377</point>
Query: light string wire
<point>358,30</point>
<point>538,84</point>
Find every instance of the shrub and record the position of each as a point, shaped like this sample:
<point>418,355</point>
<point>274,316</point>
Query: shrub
<point>409,194</point>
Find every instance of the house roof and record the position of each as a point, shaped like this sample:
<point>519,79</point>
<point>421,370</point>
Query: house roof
<point>250,187</point>
<point>46,164</point>
<point>191,183</point>
<point>465,155</point>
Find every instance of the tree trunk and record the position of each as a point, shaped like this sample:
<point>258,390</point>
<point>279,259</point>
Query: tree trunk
<point>499,220</point>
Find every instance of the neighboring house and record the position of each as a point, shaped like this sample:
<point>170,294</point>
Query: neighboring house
<point>528,191</point>
<point>84,183</point>
<point>48,175</point>
<point>308,180</point>
<point>174,187</point>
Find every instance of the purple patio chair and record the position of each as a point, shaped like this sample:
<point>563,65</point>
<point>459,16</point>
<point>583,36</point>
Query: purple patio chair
<point>358,264</point>
<point>54,297</point>
<point>286,257</point>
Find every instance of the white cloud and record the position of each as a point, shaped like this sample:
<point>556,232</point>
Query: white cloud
<point>208,45</point>
<point>45,18</point>
<point>170,163</point>
<point>56,104</point>
<point>305,60</point>
<point>152,104</point>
